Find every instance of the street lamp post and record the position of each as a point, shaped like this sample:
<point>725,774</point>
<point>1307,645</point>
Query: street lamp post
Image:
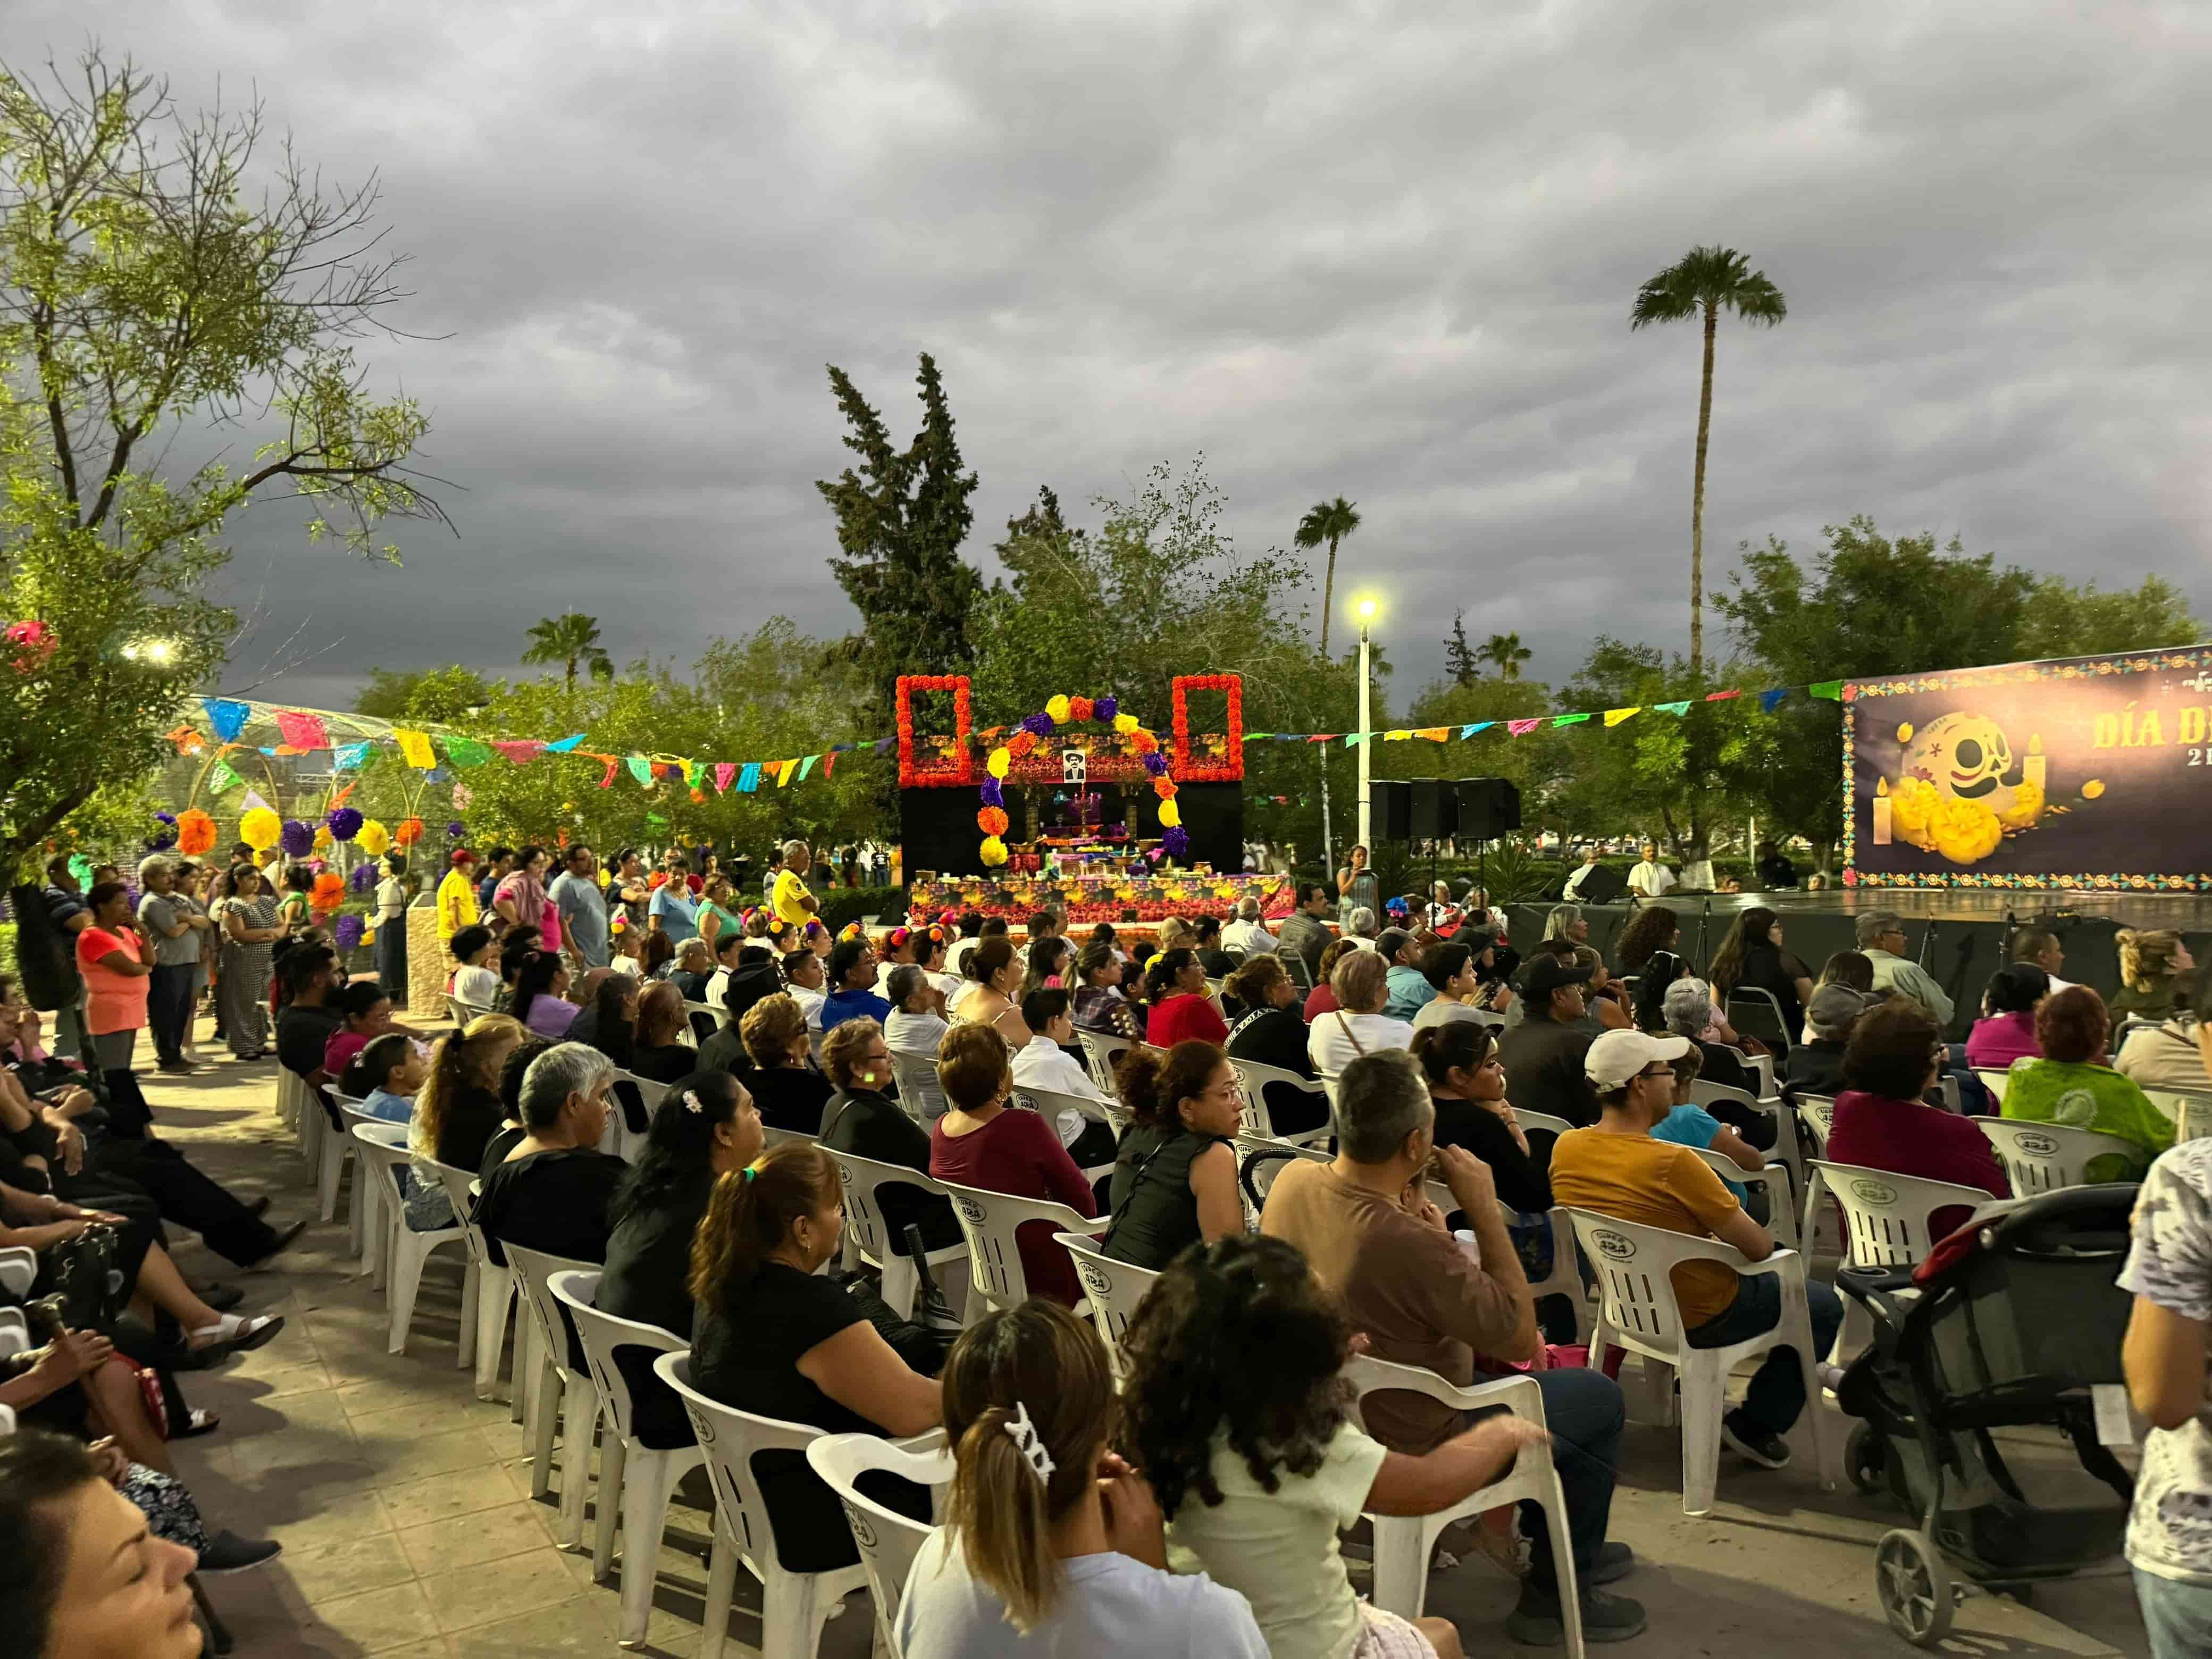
<point>1366,727</point>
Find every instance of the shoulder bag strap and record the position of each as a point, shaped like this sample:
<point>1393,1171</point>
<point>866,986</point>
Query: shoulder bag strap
<point>1345,1025</point>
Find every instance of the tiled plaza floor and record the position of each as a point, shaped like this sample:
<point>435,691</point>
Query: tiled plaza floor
<point>404,1502</point>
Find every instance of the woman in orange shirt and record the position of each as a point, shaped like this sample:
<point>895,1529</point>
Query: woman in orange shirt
<point>116,963</point>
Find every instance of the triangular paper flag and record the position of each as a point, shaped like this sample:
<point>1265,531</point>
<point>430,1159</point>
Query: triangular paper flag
<point>884,744</point>
<point>829,764</point>
<point>724,773</point>
<point>749,780</point>
<point>1353,739</point>
<point>220,777</point>
<point>302,731</point>
<point>607,778</point>
<point>1722,697</point>
<point>467,751</point>
<point>1257,737</point>
<point>1473,726</point>
<point>253,801</point>
<point>567,745</point>
<point>1682,708</point>
<point>1832,690</point>
<point>227,716</point>
<point>806,766</point>
<point>521,752</point>
<point>415,747</point>
<point>1568,720</point>
<point>349,758</point>
<point>1434,733</point>
<point>1396,737</point>
<point>1768,699</point>
<point>339,799</point>
<point>1523,728</point>
<point>784,770</point>
<point>1614,716</point>
<point>640,768</point>
<point>1322,737</point>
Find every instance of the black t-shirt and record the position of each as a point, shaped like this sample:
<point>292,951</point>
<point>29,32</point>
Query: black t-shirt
<point>662,1062</point>
<point>1545,1061</point>
<point>496,1152</point>
<point>648,1269</point>
<point>1816,1068</point>
<point>302,1034</point>
<point>1776,971</point>
<point>869,1126</point>
<point>746,1352</point>
<point>1522,1178</point>
<point>1217,962</point>
<point>554,1203</point>
<point>1155,1215</point>
<point>790,1098</point>
<point>725,1051</point>
<point>466,1126</point>
<point>1277,1037</point>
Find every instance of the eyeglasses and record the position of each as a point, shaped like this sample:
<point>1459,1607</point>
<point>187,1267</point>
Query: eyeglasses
<point>1655,1072</point>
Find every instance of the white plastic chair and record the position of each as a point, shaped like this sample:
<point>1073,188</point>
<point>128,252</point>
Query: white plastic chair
<point>1100,1048</point>
<point>385,1145</point>
<point>1565,1278</point>
<point>618,1138</point>
<point>1541,1123</point>
<point>1049,1103</point>
<point>2039,1158</point>
<point>794,1606</point>
<point>1114,1289</point>
<point>363,1200</point>
<point>291,1088</point>
<point>1780,1203</point>
<point>1280,1155</point>
<point>888,1541</point>
<point>495,1292</point>
<point>1994,1082</point>
<point>19,1268</point>
<point>868,1234</point>
<point>635,1480</point>
<point>2190,1108</point>
<point>1637,1311</point>
<point>916,1074</point>
<point>1256,1078</point>
<point>989,1221</point>
<point>1785,1140</point>
<point>1886,1224</point>
<point>557,1381</point>
<point>1404,1543</point>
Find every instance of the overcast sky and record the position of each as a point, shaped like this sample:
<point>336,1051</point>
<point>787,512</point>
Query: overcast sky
<point>1380,250</point>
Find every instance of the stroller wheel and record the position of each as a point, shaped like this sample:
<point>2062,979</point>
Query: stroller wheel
<point>1864,1459</point>
<point>1915,1586</point>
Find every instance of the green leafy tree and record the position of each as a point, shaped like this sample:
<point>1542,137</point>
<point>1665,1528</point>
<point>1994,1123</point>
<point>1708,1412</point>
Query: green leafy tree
<point>160,277</point>
<point>1327,524</point>
<point>571,641</point>
<point>1462,662</point>
<point>2064,619</point>
<point>1702,283</point>
<point>1507,654</point>
<point>449,695</point>
<point>1658,773</point>
<point>902,516</point>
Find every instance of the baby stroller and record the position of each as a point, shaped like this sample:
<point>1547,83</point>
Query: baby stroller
<point>2010,1322</point>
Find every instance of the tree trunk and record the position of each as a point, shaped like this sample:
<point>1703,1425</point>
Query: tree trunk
<point>1328,598</point>
<point>1698,501</point>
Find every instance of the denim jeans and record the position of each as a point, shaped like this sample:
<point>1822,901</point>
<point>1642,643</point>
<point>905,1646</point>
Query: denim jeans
<point>1776,1395</point>
<point>2177,1616</point>
<point>1583,1410</point>
<point>169,1009</point>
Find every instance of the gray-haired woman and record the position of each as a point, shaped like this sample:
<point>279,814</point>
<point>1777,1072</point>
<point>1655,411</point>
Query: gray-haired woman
<point>246,910</point>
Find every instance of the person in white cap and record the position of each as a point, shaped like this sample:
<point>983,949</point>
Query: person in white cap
<point>1618,1170</point>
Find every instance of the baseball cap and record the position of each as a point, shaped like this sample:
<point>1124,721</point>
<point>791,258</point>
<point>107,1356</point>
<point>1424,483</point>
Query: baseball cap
<point>1545,973</point>
<point>1617,1056</point>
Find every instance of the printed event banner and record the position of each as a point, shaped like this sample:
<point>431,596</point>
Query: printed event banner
<point>2083,772</point>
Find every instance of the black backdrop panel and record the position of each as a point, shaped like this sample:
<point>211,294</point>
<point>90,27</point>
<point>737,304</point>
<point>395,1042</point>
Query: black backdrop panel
<point>1213,815</point>
<point>938,832</point>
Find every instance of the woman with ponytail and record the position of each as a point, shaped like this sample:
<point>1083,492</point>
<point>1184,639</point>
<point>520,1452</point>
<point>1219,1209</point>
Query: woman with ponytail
<point>1050,1543</point>
<point>1175,1172</point>
<point>774,1338</point>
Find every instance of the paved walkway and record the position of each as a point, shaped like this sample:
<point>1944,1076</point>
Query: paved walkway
<point>404,1502</point>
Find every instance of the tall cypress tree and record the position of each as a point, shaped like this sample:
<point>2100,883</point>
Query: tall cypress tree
<point>1460,659</point>
<point>902,516</point>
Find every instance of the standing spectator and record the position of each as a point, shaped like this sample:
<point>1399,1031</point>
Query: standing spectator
<point>671,910</point>
<point>117,969</point>
<point>68,916</point>
<point>171,926</point>
<point>583,909</point>
<point>457,896</point>
<point>499,864</point>
<point>787,894</point>
<point>246,912</point>
<point>1649,877</point>
<point>1880,935</point>
<point>392,896</point>
<point>1775,869</point>
<point>2169,1269</point>
<point>520,898</point>
<point>1357,887</point>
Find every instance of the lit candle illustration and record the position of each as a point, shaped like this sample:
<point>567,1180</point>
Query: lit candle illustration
<point>2031,770</point>
<point>1881,811</point>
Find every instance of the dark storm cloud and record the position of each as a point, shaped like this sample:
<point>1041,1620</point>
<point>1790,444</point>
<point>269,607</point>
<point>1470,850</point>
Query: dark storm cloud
<point>1376,250</point>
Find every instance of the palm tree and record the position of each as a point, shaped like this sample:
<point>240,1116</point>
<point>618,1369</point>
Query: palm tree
<point>1330,522</point>
<point>1702,282</point>
<point>1508,653</point>
<point>571,640</point>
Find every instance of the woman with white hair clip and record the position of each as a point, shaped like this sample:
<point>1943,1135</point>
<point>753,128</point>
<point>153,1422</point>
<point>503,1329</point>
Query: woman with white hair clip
<point>1688,1005</point>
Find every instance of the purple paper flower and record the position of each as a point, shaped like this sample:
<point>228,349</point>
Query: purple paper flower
<point>298,839</point>
<point>166,837</point>
<point>1176,842</point>
<point>347,934</point>
<point>1038,724</point>
<point>993,795</point>
<point>364,876</point>
<point>455,829</point>
<point>1155,763</point>
<point>344,823</point>
<point>1105,709</point>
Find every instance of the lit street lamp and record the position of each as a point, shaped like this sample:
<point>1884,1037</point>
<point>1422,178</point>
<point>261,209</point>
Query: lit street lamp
<point>1366,612</point>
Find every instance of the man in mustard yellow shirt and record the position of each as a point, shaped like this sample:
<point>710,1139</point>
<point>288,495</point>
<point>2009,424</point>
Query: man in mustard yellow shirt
<point>457,896</point>
<point>789,898</point>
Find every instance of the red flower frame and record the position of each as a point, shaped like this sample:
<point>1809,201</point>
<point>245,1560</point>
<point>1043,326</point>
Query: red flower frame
<point>1189,771</point>
<point>962,768</point>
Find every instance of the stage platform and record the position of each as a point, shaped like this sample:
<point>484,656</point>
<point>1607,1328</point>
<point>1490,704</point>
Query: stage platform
<point>2190,912</point>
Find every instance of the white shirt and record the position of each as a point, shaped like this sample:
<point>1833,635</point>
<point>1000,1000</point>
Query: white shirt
<point>948,985</point>
<point>810,1004</point>
<point>1332,1047</point>
<point>1650,880</point>
<point>1575,881</point>
<point>1252,937</point>
<point>476,985</point>
<point>957,953</point>
<point>1041,1063</point>
<point>918,1034</point>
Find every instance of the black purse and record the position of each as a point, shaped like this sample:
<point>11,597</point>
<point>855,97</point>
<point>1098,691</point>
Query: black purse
<point>79,1283</point>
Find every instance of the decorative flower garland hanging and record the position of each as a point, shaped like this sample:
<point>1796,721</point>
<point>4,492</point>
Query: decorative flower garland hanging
<point>992,820</point>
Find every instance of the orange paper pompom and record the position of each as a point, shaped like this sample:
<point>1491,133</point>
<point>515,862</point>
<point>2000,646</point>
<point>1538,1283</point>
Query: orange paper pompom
<point>992,821</point>
<point>1020,743</point>
<point>408,832</point>
<point>195,833</point>
<point>1164,788</point>
<point>1146,741</point>
<point>329,892</point>
<point>1080,708</point>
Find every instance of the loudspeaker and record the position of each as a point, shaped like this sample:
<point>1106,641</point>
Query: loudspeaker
<point>1435,812</point>
<point>1390,808</point>
<point>1603,885</point>
<point>1488,807</point>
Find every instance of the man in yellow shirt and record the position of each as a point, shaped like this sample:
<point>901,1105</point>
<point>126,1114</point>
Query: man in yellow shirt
<point>789,898</point>
<point>456,897</point>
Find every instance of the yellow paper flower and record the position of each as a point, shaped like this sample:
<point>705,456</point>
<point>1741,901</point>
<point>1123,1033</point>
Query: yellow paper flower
<point>260,829</point>
<point>998,763</point>
<point>1057,708</point>
<point>323,838</point>
<point>373,838</point>
<point>993,851</point>
<point>1170,814</point>
<point>1124,724</point>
